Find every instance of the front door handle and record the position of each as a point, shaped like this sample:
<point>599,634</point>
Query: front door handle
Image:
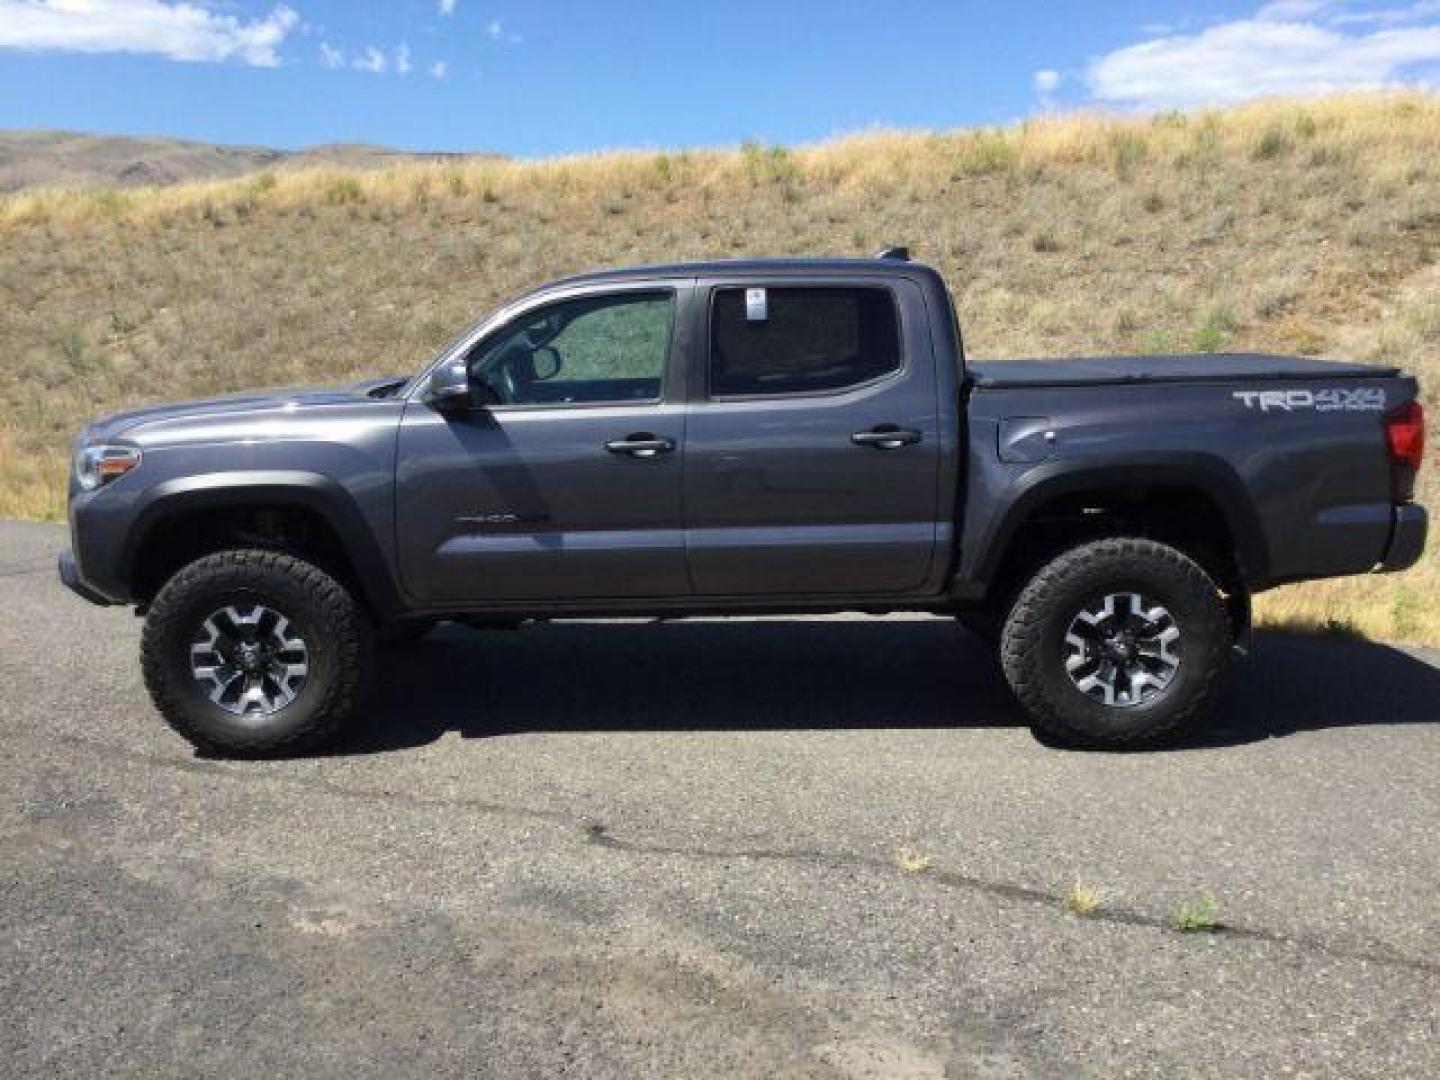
<point>886,437</point>
<point>641,444</point>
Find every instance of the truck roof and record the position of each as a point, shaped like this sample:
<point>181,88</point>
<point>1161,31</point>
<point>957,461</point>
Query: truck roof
<point>761,267</point>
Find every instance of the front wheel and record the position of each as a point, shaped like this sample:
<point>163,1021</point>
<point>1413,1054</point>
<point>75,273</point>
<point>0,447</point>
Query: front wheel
<point>1116,643</point>
<point>251,653</point>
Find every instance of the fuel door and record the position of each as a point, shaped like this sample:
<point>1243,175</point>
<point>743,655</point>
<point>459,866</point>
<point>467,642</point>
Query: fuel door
<point>1026,439</point>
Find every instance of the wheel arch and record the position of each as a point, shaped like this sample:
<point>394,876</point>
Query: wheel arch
<point>1211,485</point>
<point>348,538</point>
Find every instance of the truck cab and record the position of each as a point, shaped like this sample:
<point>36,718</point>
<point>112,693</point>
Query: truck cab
<point>732,432</point>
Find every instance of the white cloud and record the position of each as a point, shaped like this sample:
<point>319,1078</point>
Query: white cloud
<point>439,69</point>
<point>447,7</point>
<point>1290,10</point>
<point>1416,12</point>
<point>1046,81</point>
<point>178,31</point>
<point>376,60</point>
<point>496,31</point>
<point>372,60</point>
<point>1290,47</point>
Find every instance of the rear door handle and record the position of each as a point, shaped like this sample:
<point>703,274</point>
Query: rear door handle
<point>886,437</point>
<point>641,444</point>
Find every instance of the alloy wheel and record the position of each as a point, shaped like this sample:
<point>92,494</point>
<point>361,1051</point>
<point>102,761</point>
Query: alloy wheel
<point>249,660</point>
<point>1123,650</point>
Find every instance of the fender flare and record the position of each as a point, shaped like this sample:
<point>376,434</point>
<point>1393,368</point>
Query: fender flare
<point>1205,473</point>
<point>305,490</point>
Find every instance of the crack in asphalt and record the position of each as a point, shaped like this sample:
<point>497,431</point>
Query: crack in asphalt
<point>599,835</point>
<point>216,768</point>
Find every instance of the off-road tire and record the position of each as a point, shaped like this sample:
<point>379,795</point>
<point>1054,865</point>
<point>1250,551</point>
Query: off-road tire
<point>1033,649</point>
<point>336,631</point>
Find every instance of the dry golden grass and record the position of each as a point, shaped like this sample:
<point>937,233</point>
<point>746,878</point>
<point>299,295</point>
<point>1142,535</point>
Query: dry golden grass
<point>913,862</point>
<point>1308,228</point>
<point>1083,899</point>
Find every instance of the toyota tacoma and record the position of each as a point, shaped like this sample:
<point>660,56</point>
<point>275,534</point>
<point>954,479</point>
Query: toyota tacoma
<point>731,438</point>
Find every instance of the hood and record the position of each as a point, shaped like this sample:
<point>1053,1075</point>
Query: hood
<point>117,424</point>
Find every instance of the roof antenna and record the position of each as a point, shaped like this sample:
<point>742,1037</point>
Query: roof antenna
<point>899,254</point>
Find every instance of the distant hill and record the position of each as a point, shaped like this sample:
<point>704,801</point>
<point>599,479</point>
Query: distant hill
<point>31,159</point>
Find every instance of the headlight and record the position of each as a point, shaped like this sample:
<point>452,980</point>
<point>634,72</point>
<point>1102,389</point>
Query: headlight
<point>96,466</point>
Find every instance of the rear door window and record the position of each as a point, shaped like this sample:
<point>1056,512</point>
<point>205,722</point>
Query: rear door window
<point>802,340</point>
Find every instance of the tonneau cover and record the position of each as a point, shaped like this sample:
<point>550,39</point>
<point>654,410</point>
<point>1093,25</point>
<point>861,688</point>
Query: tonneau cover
<point>1218,367</point>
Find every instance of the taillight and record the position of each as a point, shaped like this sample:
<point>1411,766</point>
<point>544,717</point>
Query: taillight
<point>1405,436</point>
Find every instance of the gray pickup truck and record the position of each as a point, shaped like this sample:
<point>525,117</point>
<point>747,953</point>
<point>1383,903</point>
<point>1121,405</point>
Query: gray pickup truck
<point>739,438</point>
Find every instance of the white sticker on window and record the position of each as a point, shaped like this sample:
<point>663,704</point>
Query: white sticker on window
<point>755,307</point>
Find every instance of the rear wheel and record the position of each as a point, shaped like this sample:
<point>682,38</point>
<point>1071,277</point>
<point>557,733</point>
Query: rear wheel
<point>250,653</point>
<point>1116,643</point>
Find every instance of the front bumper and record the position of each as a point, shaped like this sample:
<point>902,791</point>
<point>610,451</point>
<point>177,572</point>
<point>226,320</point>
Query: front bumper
<point>1407,538</point>
<point>70,575</point>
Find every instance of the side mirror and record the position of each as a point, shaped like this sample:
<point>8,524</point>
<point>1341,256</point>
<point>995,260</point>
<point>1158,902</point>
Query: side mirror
<point>449,389</point>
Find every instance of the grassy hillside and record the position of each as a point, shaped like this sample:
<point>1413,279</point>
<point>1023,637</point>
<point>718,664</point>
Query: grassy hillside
<point>1298,228</point>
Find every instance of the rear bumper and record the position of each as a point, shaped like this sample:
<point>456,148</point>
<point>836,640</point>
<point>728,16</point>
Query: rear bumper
<point>1407,538</point>
<point>70,575</point>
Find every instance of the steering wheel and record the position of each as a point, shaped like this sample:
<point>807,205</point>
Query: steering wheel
<point>500,374</point>
<point>506,379</point>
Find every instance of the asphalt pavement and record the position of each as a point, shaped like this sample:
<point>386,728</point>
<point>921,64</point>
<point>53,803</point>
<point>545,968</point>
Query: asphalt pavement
<point>635,849</point>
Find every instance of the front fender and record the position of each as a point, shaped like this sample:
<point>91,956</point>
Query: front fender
<point>167,501</point>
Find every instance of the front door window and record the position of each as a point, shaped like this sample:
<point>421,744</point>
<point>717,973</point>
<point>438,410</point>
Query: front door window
<point>591,350</point>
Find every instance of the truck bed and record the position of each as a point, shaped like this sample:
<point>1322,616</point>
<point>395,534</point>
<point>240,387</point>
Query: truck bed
<point>1206,368</point>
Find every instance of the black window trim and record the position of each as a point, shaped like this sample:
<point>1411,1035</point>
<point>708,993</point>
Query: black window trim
<point>543,302</point>
<point>801,283</point>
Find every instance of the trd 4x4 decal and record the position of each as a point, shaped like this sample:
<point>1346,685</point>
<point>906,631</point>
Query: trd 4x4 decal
<point>1364,399</point>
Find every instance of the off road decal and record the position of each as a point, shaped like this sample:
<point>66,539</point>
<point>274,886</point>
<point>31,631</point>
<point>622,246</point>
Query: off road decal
<point>1364,399</point>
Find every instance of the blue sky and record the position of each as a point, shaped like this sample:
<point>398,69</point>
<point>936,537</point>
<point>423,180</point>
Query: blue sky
<point>544,77</point>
